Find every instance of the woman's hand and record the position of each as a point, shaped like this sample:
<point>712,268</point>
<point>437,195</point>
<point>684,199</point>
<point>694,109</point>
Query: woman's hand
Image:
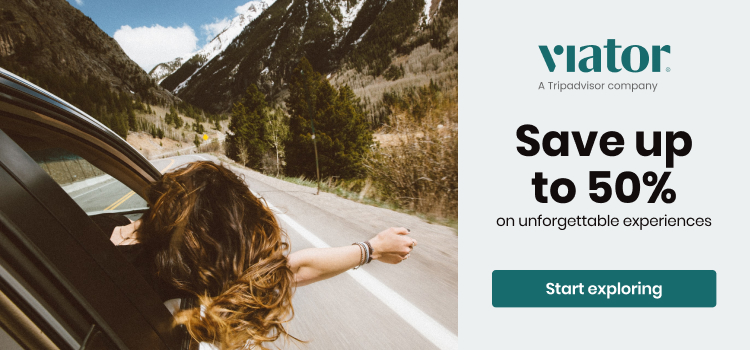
<point>316,264</point>
<point>392,245</point>
<point>125,235</point>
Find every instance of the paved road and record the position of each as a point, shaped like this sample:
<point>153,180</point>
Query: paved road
<point>413,305</point>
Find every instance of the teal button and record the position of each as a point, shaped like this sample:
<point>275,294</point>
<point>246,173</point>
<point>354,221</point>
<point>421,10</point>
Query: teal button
<point>604,288</point>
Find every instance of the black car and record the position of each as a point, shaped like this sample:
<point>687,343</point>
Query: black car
<point>63,284</point>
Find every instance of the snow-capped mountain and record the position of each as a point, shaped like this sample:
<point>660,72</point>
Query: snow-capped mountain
<point>331,34</point>
<point>215,46</point>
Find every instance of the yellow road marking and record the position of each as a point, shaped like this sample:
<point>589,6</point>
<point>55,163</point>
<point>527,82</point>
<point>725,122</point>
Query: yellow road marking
<point>131,193</point>
<point>170,164</point>
<point>120,201</point>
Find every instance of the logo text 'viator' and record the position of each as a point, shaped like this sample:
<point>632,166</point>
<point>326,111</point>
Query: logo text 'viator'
<point>595,58</point>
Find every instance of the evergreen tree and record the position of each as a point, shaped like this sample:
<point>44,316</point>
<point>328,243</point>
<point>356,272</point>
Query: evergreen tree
<point>131,118</point>
<point>342,133</point>
<point>172,118</point>
<point>246,128</point>
<point>197,141</point>
<point>277,132</point>
<point>119,125</point>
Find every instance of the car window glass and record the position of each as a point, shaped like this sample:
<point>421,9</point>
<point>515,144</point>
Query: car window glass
<point>93,190</point>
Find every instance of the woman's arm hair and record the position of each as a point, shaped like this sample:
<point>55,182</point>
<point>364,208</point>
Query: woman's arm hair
<point>315,264</point>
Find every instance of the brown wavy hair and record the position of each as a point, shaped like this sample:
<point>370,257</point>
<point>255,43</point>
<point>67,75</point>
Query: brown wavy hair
<point>213,239</point>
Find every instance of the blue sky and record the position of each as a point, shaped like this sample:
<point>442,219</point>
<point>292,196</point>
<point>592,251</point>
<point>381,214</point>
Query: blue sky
<point>154,31</point>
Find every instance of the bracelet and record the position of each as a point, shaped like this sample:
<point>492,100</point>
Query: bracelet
<point>361,255</point>
<point>367,253</point>
<point>370,250</point>
<point>367,256</point>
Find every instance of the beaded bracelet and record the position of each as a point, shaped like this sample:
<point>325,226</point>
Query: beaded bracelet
<point>367,253</point>
<point>361,255</point>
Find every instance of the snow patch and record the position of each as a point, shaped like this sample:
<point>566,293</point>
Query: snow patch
<point>350,14</point>
<point>235,27</point>
<point>220,42</point>
<point>184,83</point>
<point>307,18</point>
<point>427,6</point>
<point>361,36</point>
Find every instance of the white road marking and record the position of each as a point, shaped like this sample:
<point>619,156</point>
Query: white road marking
<point>423,323</point>
<point>195,155</point>
<point>98,188</point>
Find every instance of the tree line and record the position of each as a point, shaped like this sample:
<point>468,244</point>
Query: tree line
<point>342,135</point>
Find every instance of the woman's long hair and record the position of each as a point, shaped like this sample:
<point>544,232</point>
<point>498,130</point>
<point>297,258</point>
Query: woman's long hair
<point>213,239</point>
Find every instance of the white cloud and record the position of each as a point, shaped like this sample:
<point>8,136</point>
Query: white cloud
<point>211,30</point>
<point>79,2</point>
<point>149,46</point>
<point>243,8</point>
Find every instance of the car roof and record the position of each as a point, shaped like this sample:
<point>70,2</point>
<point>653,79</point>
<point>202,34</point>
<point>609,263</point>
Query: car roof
<point>29,103</point>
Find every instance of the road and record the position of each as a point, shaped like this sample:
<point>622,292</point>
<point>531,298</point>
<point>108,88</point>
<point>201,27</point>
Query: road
<point>412,305</point>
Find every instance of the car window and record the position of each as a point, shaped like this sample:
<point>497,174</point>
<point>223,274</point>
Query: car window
<point>94,190</point>
<point>91,188</point>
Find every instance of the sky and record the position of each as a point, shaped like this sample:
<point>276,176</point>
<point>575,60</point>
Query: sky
<point>156,31</point>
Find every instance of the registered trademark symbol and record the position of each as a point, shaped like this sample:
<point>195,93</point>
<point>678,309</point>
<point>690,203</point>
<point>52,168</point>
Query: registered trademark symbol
<point>669,69</point>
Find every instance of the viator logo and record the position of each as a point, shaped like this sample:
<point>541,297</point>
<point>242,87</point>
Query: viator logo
<point>594,62</point>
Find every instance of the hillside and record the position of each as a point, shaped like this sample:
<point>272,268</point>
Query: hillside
<point>176,140</point>
<point>334,35</point>
<point>217,45</point>
<point>57,47</point>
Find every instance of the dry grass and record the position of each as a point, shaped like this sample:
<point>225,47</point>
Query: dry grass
<point>422,65</point>
<point>415,166</point>
<point>418,168</point>
<point>176,141</point>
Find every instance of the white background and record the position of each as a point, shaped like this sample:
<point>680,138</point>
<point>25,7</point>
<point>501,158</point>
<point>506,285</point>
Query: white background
<point>705,94</point>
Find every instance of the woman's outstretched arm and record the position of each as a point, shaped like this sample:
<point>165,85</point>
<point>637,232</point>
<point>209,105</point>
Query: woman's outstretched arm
<point>315,264</point>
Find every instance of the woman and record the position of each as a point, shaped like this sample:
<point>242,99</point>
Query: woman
<point>206,236</point>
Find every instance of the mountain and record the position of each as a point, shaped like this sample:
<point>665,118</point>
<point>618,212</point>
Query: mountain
<point>332,34</point>
<point>217,45</point>
<point>57,47</point>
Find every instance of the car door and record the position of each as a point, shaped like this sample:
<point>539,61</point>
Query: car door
<point>56,266</point>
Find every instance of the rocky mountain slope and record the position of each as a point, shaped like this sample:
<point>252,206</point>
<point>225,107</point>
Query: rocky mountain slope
<point>363,35</point>
<point>56,46</point>
<point>216,45</point>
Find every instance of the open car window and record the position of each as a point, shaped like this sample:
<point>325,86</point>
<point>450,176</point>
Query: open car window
<point>72,167</point>
<point>91,188</point>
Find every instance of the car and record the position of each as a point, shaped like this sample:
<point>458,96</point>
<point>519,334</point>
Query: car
<point>63,284</point>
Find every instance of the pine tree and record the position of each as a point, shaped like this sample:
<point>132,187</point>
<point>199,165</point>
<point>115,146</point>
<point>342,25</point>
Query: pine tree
<point>277,132</point>
<point>197,141</point>
<point>247,127</point>
<point>341,131</point>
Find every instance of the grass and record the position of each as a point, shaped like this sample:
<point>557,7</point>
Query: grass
<point>356,190</point>
<point>345,189</point>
